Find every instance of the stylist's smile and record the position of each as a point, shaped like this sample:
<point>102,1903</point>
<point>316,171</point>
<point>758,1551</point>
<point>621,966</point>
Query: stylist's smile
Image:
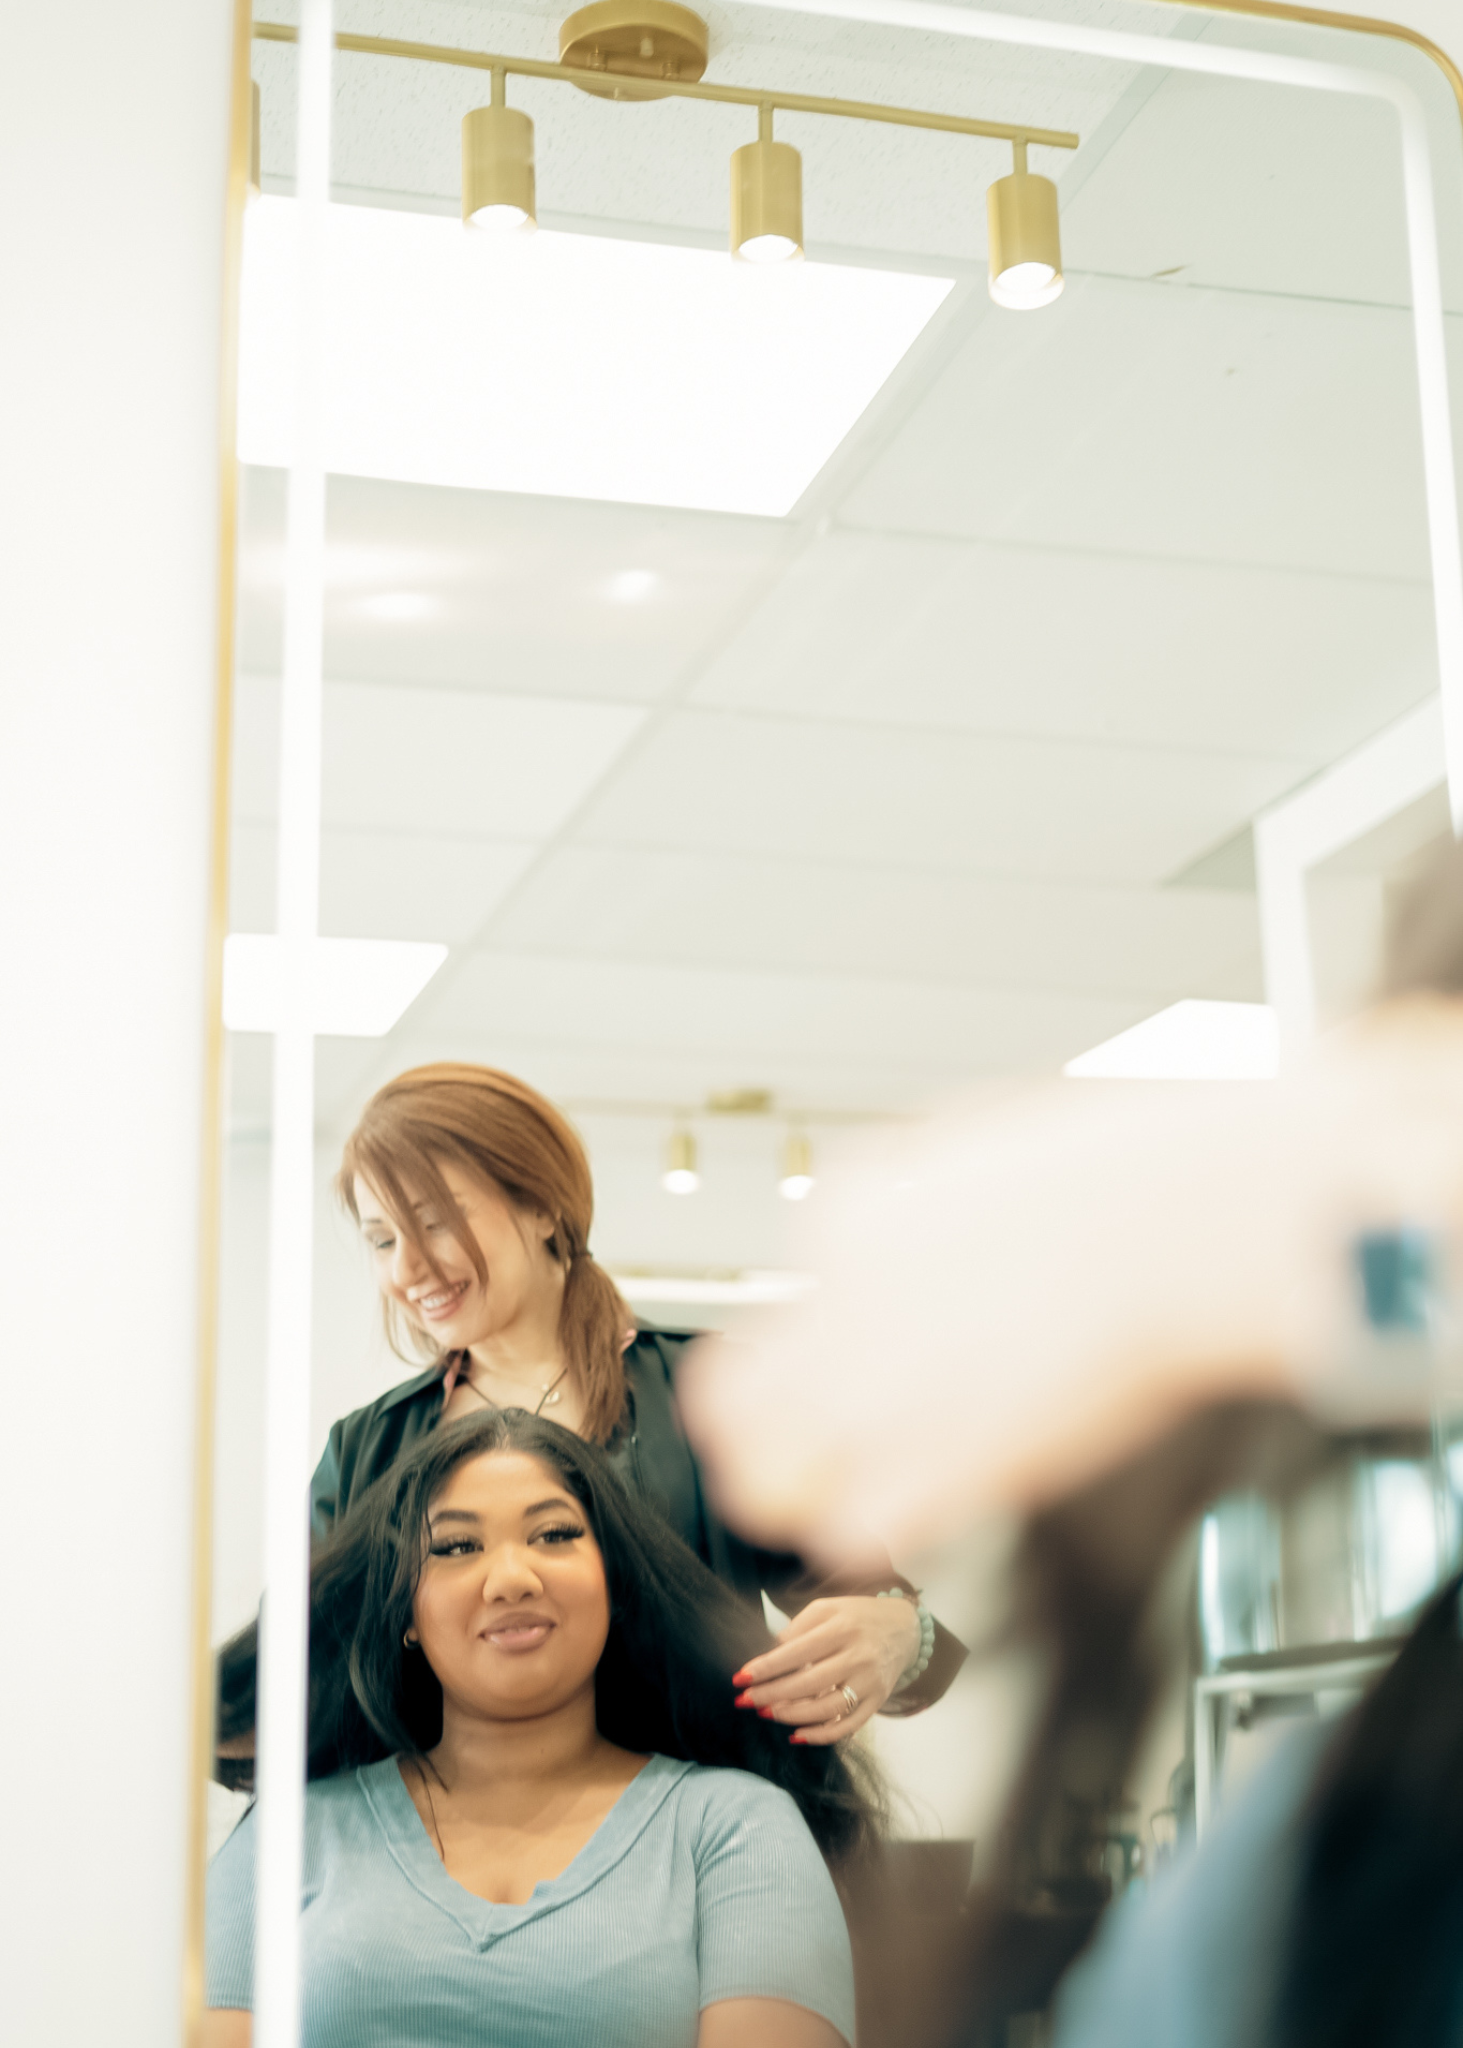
<point>441,1301</point>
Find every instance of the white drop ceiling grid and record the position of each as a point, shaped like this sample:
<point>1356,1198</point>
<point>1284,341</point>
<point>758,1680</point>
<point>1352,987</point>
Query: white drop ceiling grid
<point>864,803</point>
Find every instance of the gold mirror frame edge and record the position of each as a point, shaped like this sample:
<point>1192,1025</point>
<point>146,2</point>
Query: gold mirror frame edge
<point>211,1154</point>
<point>211,1149</point>
<point>1355,24</point>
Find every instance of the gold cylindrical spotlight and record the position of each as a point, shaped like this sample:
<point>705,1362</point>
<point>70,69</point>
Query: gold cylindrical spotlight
<point>256,159</point>
<point>795,1182</point>
<point>1025,240</point>
<point>497,165</point>
<point>766,198</point>
<point>680,1176</point>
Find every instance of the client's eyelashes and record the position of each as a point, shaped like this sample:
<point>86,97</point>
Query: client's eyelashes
<point>564,1532</point>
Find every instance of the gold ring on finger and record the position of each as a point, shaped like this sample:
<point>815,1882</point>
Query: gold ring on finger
<point>850,1698</point>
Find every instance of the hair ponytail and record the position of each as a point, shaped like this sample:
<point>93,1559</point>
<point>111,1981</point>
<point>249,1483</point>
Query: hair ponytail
<point>498,1129</point>
<point>593,1324</point>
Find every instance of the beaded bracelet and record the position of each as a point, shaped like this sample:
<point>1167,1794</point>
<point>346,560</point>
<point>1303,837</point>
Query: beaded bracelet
<point>926,1637</point>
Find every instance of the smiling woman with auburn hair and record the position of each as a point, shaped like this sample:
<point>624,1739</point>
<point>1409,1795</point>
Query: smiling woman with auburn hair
<point>534,1815</point>
<point>475,1199</point>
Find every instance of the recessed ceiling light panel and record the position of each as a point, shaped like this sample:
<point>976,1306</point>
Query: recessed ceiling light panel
<point>569,366</point>
<point>631,586</point>
<point>402,607</point>
<point>362,986</point>
<point>1189,1041</point>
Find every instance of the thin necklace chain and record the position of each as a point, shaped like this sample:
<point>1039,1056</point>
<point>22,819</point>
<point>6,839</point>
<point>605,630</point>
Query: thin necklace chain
<point>549,1399</point>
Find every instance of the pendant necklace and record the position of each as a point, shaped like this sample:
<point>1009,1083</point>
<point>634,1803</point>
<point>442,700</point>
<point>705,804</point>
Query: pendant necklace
<point>548,1399</point>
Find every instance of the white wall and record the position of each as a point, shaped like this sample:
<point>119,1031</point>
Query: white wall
<point>113,148</point>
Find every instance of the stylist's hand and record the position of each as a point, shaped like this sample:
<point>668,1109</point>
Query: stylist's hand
<point>858,1641</point>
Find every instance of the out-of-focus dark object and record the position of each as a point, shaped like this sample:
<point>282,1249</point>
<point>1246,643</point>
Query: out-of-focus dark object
<point>1325,1910</point>
<point>1084,1587</point>
<point>1352,1556</point>
<point>1304,1598</point>
<point>1423,951</point>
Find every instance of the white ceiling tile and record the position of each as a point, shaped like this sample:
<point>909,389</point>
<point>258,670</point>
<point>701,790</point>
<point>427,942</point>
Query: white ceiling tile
<point>1197,424</point>
<point>1295,193</point>
<point>726,911</point>
<point>1045,809</point>
<point>383,885</point>
<point>515,595</point>
<point>1041,641</point>
<point>749,1023</point>
<point>428,760</point>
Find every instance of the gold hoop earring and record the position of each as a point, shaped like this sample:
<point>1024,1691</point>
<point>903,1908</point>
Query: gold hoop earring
<point>410,1640</point>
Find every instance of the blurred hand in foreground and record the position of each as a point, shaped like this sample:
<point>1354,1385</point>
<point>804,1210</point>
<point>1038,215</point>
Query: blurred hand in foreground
<point>1018,1295</point>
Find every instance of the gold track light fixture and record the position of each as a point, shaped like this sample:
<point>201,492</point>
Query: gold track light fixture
<point>681,1176</point>
<point>656,49</point>
<point>766,198</point>
<point>497,164</point>
<point>795,1178</point>
<point>1024,239</point>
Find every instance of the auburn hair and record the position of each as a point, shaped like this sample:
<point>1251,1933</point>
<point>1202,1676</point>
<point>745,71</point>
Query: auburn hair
<point>499,1130</point>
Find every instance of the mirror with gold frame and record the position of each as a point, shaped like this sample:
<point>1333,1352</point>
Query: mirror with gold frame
<point>763,699</point>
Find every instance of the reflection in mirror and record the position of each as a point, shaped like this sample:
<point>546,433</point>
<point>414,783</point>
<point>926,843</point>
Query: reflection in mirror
<point>761,700</point>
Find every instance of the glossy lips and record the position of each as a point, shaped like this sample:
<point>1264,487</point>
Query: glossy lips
<point>522,1633</point>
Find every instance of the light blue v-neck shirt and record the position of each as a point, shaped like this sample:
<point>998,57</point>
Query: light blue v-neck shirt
<point>698,1885</point>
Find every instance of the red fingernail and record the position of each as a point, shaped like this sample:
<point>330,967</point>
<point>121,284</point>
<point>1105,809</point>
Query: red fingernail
<point>767,1713</point>
<point>740,1678</point>
<point>795,1736</point>
<point>744,1699</point>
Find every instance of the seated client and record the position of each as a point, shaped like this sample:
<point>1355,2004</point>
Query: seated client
<point>534,1814</point>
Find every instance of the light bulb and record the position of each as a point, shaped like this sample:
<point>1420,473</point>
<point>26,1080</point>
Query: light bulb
<point>769,249</point>
<point>499,220</point>
<point>1025,286</point>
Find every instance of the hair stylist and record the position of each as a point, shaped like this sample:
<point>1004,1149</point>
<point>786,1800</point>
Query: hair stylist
<point>474,1196</point>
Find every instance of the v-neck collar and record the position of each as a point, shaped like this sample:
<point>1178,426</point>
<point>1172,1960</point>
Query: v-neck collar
<point>482,1920</point>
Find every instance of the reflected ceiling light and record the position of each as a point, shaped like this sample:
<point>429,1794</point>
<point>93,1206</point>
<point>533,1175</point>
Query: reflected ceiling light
<point>361,986</point>
<point>1189,1041</point>
<point>401,606</point>
<point>450,355</point>
<point>766,198</point>
<point>795,1183</point>
<point>1024,237</point>
<point>497,165</point>
<point>680,1176</point>
<point>631,586</point>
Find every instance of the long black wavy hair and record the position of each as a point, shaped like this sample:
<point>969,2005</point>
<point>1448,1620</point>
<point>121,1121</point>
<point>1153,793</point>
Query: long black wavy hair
<point>663,1684</point>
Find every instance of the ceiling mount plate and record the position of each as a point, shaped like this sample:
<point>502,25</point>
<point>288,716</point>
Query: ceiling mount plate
<point>740,1102</point>
<point>634,43</point>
